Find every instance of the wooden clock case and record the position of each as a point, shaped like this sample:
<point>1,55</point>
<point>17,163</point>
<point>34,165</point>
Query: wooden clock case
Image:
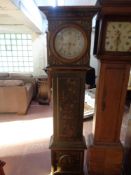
<point>68,81</point>
<point>106,153</point>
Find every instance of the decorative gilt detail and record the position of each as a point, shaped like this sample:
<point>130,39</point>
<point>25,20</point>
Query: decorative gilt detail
<point>54,24</point>
<point>67,161</point>
<point>69,112</point>
<point>86,24</point>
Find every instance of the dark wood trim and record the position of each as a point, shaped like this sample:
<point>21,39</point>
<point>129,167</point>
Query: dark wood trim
<point>114,3</point>
<point>72,11</point>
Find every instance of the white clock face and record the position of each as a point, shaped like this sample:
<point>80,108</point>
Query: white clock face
<point>118,37</point>
<point>70,42</point>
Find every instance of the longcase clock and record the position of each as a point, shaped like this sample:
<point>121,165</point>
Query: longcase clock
<point>69,34</point>
<point>113,41</point>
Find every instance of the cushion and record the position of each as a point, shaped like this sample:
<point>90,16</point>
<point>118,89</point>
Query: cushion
<point>11,83</point>
<point>20,75</point>
<point>4,74</point>
<point>2,82</point>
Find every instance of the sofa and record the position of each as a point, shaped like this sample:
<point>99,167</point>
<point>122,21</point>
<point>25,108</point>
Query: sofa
<point>16,92</point>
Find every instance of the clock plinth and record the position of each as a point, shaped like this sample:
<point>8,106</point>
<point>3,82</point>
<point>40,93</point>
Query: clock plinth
<point>105,159</point>
<point>67,157</point>
<point>68,58</point>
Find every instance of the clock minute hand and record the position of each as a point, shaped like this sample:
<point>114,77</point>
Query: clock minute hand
<point>118,36</point>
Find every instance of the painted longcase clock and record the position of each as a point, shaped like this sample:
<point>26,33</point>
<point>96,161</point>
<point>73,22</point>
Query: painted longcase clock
<point>69,33</point>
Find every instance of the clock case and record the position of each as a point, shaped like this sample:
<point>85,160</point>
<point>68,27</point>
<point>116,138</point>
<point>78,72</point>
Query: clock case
<point>100,37</point>
<point>68,83</point>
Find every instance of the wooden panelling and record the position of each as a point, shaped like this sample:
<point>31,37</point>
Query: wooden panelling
<point>110,102</point>
<point>105,160</point>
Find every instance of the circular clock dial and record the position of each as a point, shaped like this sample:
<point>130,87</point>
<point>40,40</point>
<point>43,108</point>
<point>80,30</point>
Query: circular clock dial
<point>70,43</point>
<point>118,36</point>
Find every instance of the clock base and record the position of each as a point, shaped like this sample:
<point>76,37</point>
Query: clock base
<point>105,159</point>
<point>67,160</point>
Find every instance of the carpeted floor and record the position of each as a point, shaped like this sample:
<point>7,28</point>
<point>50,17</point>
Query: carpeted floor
<point>24,140</point>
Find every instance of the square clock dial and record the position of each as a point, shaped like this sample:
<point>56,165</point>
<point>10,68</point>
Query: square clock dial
<point>118,36</point>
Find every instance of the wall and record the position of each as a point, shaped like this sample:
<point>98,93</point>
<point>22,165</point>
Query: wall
<point>94,62</point>
<point>39,54</point>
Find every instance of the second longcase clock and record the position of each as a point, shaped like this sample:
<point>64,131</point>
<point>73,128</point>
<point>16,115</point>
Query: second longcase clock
<point>114,51</point>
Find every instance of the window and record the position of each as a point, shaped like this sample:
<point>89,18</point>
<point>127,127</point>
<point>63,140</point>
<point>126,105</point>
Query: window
<point>16,52</point>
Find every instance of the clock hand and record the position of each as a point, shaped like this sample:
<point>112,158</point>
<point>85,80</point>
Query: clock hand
<point>118,41</point>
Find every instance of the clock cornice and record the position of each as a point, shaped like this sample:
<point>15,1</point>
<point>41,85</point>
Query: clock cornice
<point>114,3</point>
<point>116,10</point>
<point>66,12</point>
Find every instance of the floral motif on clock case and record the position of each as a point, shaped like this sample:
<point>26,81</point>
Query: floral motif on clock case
<point>69,108</point>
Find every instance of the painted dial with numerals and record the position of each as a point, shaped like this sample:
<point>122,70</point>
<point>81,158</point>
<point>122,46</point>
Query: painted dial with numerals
<point>70,43</point>
<point>118,36</point>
